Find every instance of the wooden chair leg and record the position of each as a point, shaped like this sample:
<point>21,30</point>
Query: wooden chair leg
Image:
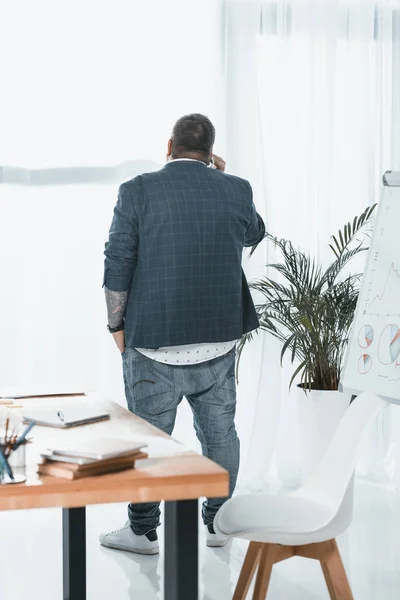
<point>268,558</point>
<point>247,573</point>
<point>266,555</point>
<point>335,576</point>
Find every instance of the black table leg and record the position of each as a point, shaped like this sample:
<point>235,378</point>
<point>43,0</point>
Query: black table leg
<point>181,550</point>
<point>74,553</point>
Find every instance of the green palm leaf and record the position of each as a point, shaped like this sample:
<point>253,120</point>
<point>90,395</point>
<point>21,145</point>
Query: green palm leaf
<point>310,309</point>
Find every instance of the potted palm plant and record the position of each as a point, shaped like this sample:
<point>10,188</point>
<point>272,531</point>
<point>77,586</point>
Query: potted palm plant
<point>310,310</point>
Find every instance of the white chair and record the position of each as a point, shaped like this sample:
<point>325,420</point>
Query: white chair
<point>307,521</point>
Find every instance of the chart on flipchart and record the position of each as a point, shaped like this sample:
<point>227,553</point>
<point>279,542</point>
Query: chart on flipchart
<point>373,358</point>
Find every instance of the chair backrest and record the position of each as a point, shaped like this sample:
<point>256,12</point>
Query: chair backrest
<point>330,480</point>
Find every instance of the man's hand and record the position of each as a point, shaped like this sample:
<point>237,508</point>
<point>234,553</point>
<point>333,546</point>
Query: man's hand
<point>119,338</point>
<point>219,163</point>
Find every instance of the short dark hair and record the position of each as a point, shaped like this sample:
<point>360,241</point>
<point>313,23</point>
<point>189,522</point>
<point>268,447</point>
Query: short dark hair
<point>193,135</point>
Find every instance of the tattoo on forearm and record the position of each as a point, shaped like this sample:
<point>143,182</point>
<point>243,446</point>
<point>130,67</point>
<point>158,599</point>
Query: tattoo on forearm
<point>116,306</point>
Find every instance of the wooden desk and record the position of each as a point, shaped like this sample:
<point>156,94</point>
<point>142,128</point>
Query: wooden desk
<point>179,479</point>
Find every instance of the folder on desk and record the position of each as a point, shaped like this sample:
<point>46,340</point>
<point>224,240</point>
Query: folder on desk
<point>19,392</point>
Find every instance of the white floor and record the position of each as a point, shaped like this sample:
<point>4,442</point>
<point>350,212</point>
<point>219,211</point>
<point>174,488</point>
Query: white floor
<point>30,558</point>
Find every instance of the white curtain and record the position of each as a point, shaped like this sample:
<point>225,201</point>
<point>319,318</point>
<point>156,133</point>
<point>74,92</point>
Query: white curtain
<point>314,88</point>
<point>303,96</point>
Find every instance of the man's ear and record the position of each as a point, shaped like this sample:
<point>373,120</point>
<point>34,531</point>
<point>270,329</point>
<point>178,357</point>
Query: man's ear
<point>169,149</point>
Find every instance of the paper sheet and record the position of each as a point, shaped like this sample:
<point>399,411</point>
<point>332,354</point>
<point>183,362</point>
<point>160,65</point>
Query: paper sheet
<point>164,447</point>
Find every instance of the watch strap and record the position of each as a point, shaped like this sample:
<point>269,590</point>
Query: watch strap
<point>116,329</point>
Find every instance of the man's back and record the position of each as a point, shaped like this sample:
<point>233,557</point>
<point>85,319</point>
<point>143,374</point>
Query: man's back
<point>185,227</point>
<point>174,285</point>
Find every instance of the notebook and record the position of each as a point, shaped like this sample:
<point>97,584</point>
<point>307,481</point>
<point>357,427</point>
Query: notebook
<point>101,467</point>
<point>65,417</point>
<point>98,449</point>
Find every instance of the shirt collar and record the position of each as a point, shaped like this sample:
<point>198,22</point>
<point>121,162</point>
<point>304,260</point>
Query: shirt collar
<point>186,159</point>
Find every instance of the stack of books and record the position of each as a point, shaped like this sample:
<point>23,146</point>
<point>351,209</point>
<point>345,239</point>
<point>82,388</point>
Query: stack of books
<point>91,458</point>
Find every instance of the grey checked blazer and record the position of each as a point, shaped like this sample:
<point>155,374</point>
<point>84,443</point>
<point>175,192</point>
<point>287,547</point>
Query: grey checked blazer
<point>176,244</point>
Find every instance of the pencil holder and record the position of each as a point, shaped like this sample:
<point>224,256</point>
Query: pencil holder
<point>17,462</point>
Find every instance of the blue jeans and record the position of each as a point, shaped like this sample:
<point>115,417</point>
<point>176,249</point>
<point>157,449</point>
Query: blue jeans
<point>154,391</point>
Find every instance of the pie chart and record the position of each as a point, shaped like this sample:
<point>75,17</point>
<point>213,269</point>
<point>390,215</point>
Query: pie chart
<point>366,336</point>
<point>389,344</point>
<point>364,364</point>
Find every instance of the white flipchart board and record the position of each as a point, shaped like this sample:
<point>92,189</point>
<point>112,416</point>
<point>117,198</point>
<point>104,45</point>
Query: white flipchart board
<point>373,357</point>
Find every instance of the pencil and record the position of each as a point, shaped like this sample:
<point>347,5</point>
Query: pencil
<point>11,441</point>
<point>22,438</point>
<point>6,466</point>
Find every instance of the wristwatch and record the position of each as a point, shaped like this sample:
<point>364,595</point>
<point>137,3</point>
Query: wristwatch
<point>116,329</point>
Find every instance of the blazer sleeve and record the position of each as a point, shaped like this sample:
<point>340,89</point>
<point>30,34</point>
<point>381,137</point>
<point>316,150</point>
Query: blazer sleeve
<point>256,229</point>
<point>121,250</point>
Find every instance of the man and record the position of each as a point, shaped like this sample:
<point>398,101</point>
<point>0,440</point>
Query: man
<point>178,301</point>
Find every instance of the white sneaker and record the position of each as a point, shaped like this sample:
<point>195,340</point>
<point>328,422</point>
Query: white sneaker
<point>214,540</point>
<point>125,539</point>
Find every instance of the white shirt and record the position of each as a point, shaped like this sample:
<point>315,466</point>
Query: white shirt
<point>189,354</point>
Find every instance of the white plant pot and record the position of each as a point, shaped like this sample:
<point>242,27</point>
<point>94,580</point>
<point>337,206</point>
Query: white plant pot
<point>319,413</point>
